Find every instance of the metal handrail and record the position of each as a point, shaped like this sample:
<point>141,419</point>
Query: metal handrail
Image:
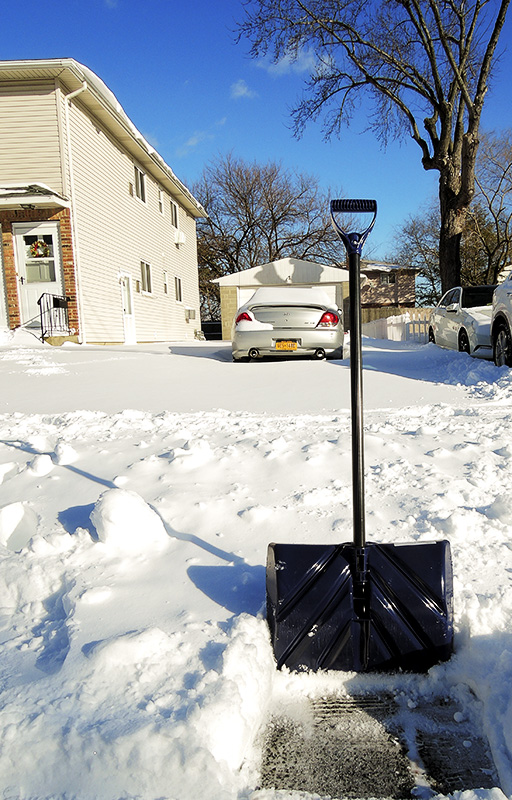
<point>53,310</point>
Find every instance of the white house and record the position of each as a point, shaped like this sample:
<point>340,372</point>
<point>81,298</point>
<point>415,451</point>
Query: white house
<point>89,211</point>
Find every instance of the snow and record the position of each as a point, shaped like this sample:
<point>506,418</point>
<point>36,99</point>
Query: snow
<point>139,489</point>
<point>289,294</point>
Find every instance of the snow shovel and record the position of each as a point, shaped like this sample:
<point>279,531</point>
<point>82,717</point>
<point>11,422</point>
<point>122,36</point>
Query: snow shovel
<point>359,606</point>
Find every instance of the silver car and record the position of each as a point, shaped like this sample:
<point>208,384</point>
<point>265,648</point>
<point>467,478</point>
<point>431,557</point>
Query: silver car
<point>501,324</point>
<point>287,321</point>
<point>462,320</point>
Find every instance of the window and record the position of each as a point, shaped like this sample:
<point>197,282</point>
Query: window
<point>140,184</point>
<point>174,214</point>
<point>450,297</point>
<point>177,289</point>
<point>145,276</point>
<point>161,201</point>
<point>387,277</point>
<point>39,259</point>
<point>166,283</point>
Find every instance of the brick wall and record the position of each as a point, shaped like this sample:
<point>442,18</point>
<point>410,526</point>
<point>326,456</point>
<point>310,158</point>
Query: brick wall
<point>228,306</point>
<point>7,218</point>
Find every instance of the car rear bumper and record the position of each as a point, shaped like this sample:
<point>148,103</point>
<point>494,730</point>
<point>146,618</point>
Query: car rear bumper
<point>273,342</point>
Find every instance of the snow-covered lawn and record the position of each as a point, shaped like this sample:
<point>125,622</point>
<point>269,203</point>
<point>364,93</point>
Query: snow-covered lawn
<point>140,487</point>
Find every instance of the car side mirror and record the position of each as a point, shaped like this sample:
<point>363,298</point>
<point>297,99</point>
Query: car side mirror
<point>452,308</point>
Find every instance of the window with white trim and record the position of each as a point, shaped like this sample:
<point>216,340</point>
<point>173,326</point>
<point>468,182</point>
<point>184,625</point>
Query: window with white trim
<point>387,277</point>
<point>174,214</point>
<point>140,184</point>
<point>145,277</point>
<point>178,290</point>
<point>166,282</point>
<point>161,201</point>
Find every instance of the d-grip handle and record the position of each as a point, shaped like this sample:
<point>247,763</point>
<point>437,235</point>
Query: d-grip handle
<point>353,241</point>
<point>354,206</point>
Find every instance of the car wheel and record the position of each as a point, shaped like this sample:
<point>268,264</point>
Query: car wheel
<point>502,347</point>
<point>464,342</point>
<point>431,336</point>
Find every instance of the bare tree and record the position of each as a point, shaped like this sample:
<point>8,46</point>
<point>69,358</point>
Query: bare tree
<point>491,215</point>
<point>418,246</point>
<point>258,213</point>
<point>418,241</point>
<point>424,64</point>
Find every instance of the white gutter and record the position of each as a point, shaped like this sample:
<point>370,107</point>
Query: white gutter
<point>74,234</point>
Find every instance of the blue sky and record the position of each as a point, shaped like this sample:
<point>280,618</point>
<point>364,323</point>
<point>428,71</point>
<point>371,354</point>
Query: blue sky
<point>176,70</point>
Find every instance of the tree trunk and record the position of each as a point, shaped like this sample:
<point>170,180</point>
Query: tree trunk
<point>452,224</point>
<point>449,249</point>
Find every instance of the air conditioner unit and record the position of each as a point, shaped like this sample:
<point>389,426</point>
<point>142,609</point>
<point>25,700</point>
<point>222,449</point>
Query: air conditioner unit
<point>179,237</point>
<point>190,313</point>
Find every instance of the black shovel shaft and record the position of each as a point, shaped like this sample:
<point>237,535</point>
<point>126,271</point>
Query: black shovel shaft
<point>356,398</point>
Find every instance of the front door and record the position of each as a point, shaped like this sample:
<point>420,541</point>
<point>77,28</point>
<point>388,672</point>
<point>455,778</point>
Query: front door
<point>38,262</point>
<point>130,336</point>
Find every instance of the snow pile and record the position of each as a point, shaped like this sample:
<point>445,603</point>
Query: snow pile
<point>126,524</point>
<point>135,659</point>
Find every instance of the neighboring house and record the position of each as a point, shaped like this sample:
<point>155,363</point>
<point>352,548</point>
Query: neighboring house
<point>388,285</point>
<point>90,211</point>
<point>238,288</point>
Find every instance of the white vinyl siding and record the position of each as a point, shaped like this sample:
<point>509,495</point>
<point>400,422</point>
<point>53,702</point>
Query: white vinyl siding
<point>30,144</point>
<point>113,231</point>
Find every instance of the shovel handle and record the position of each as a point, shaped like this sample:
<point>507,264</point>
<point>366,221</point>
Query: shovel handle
<point>354,244</point>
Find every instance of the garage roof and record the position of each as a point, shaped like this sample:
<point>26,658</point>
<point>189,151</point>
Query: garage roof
<point>285,270</point>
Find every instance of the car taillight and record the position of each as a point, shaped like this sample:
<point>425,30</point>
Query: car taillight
<point>328,320</point>
<point>244,316</point>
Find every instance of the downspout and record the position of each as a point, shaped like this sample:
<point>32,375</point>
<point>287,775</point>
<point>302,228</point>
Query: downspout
<point>74,236</point>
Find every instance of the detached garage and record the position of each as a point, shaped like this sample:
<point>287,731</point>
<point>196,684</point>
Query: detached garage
<point>237,289</point>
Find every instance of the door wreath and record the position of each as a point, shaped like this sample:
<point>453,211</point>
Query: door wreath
<point>39,249</point>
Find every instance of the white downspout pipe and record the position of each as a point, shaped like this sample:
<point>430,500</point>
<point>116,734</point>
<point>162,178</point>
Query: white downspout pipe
<point>74,236</point>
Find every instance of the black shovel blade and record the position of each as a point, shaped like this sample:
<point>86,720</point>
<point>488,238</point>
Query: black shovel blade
<point>325,613</point>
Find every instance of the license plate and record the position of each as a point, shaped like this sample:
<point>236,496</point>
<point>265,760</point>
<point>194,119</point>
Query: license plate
<point>286,345</point>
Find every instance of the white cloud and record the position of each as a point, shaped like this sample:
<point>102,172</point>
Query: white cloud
<point>192,142</point>
<point>304,62</point>
<point>240,89</point>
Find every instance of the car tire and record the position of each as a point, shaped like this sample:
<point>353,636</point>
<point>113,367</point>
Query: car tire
<point>464,346</point>
<point>502,346</point>
<point>431,336</point>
